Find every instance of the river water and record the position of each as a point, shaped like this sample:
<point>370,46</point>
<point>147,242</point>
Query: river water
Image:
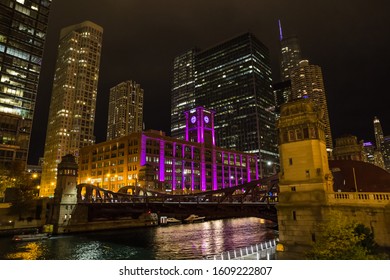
<point>177,242</point>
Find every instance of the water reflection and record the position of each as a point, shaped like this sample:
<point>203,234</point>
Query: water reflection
<point>186,241</point>
<point>27,251</point>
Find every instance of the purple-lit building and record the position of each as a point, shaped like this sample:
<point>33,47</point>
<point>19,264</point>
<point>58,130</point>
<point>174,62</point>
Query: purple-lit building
<point>154,160</point>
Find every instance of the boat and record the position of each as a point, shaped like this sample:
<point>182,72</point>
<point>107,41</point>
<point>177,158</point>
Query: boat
<point>31,237</point>
<point>165,221</point>
<point>171,221</point>
<point>194,219</point>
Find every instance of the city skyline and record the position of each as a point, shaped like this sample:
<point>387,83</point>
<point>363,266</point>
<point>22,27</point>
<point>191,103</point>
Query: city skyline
<point>145,53</point>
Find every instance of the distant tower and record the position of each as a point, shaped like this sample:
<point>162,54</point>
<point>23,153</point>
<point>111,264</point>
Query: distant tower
<point>305,177</point>
<point>125,110</point>
<point>23,27</point>
<point>65,197</point>
<point>307,82</point>
<point>290,54</point>
<point>73,101</point>
<point>378,134</point>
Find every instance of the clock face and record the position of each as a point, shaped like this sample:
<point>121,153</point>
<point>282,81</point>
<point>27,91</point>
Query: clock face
<point>193,119</point>
<point>206,119</point>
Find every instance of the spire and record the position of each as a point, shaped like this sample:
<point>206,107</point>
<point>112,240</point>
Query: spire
<point>280,30</point>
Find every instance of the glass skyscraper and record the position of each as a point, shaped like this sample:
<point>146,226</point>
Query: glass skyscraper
<point>23,25</point>
<point>234,79</point>
<point>183,91</point>
<point>73,100</point>
<point>290,56</point>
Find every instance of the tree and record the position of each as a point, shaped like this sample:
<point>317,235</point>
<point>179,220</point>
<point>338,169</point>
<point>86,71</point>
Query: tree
<point>340,238</point>
<point>14,176</point>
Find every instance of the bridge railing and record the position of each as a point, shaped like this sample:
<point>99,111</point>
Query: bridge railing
<point>359,197</point>
<point>261,251</point>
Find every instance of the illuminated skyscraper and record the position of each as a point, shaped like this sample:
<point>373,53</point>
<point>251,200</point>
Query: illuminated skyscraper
<point>378,134</point>
<point>23,27</point>
<point>182,94</point>
<point>73,101</point>
<point>125,110</point>
<point>290,54</point>
<point>307,82</point>
<point>234,79</point>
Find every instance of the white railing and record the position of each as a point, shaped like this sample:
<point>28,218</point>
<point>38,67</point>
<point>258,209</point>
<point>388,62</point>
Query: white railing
<point>359,197</point>
<point>261,251</point>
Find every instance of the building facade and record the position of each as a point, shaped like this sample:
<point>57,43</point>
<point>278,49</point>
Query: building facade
<point>125,110</point>
<point>23,28</point>
<point>307,82</point>
<point>153,160</point>
<point>234,79</point>
<point>73,101</point>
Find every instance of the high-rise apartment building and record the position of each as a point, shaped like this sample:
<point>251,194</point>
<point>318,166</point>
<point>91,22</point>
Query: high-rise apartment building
<point>125,110</point>
<point>307,82</point>
<point>183,91</point>
<point>23,27</point>
<point>233,78</point>
<point>73,101</point>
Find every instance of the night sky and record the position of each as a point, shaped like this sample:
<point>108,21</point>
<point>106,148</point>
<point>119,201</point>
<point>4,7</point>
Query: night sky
<point>349,39</point>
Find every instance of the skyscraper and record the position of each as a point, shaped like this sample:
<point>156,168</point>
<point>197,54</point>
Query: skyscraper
<point>73,100</point>
<point>290,54</point>
<point>125,110</point>
<point>183,91</point>
<point>307,82</point>
<point>378,134</point>
<point>22,36</point>
<point>233,78</point>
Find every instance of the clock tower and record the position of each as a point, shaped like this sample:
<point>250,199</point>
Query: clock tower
<point>200,126</point>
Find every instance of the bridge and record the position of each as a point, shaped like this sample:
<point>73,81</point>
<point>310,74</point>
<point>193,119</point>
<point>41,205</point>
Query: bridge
<point>256,198</point>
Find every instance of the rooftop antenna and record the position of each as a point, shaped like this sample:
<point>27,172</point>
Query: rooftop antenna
<point>280,30</point>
